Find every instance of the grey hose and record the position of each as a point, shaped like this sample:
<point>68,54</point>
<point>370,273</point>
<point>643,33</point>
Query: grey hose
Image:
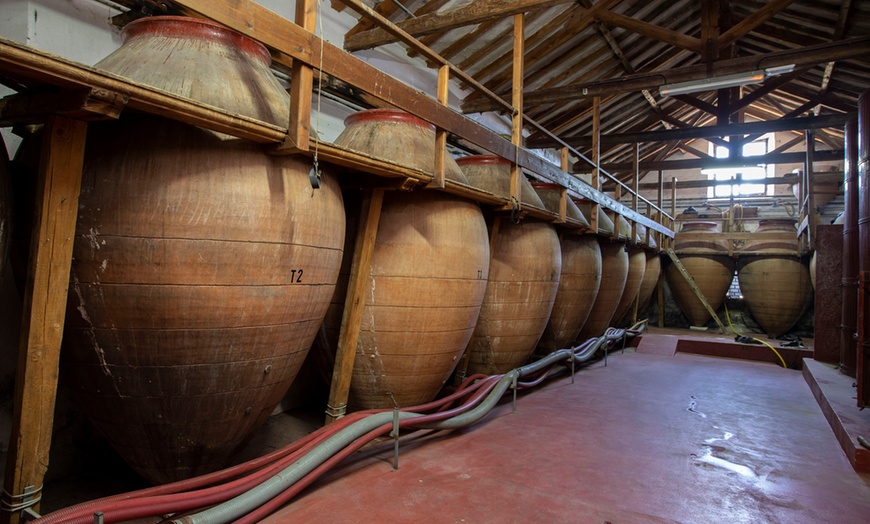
<point>256,497</point>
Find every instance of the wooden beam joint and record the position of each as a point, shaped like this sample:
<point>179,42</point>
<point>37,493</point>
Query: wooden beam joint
<point>82,104</point>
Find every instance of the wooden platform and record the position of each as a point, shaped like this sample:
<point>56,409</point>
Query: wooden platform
<point>836,395</point>
<point>668,341</point>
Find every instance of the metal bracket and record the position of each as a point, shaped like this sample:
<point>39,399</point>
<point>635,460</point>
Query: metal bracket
<point>14,503</point>
<point>514,387</point>
<point>336,412</point>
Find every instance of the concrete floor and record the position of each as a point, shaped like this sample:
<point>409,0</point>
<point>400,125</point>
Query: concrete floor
<point>648,438</point>
<point>652,437</point>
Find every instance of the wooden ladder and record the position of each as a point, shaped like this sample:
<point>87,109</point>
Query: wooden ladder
<point>695,288</point>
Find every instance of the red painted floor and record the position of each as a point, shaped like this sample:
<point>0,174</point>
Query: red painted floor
<point>649,438</point>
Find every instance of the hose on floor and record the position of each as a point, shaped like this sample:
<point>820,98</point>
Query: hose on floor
<point>251,491</point>
<point>782,360</point>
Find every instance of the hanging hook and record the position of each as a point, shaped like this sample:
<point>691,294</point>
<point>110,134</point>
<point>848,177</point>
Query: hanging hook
<point>515,210</point>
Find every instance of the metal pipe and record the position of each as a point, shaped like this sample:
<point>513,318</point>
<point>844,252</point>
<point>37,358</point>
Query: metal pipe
<point>863,361</point>
<point>848,328</point>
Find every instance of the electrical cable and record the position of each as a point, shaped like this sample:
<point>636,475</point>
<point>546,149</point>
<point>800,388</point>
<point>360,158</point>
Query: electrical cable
<point>753,338</point>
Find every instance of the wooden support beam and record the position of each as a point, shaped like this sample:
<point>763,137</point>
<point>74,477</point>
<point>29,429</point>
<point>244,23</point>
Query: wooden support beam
<point>695,184</point>
<point>719,163</point>
<point>674,38</point>
<point>354,304</point>
<point>81,104</point>
<point>290,40</point>
<point>439,177</point>
<point>806,56</point>
<point>709,31</point>
<point>698,103</point>
<point>301,86</point>
<point>635,160</point>
<point>758,17</point>
<point>659,198</point>
<point>596,159</point>
<point>517,103</point>
<point>58,187</point>
<point>469,14</point>
<point>810,189</point>
<point>749,128</point>
<point>29,64</point>
<point>563,192</point>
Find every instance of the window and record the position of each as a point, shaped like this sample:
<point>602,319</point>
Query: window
<point>747,188</point>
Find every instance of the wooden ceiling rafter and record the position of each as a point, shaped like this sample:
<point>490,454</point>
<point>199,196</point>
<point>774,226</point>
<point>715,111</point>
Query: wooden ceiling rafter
<point>385,9</point>
<point>605,33</point>
<point>542,43</point>
<point>496,65</point>
<point>462,43</point>
<point>472,13</point>
<point>709,32</point>
<point>769,86</point>
<point>564,57</point>
<point>755,19</point>
<point>839,30</point>
<point>843,50</point>
<point>430,6</point>
<point>815,122</point>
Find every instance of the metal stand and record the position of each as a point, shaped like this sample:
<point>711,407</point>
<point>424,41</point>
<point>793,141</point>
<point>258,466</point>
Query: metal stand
<point>395,435</point>
<point>514,387</point>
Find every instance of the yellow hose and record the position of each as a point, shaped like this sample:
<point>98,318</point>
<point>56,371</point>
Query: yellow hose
<point>753,338</point>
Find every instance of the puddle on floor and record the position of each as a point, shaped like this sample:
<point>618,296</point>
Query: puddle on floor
<point>726,436</point>
<point>707,457</point>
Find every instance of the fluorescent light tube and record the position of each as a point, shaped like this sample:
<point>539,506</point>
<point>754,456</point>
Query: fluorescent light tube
<point>711,84</point>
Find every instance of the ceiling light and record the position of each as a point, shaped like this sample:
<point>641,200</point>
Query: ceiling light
<point>711,84</point>
<point>722,82</point>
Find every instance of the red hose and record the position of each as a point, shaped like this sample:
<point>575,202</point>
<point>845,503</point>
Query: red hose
<point>274,504</point>
<point>178,496</point>
<point>167,498</point>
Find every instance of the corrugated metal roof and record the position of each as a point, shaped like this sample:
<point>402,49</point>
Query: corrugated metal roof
<point>585,41</point>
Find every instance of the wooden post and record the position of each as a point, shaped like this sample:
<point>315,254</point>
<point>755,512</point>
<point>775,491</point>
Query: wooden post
<point>58,187</point>
<point>635,160</point>
<point>660,195</point>
<point>354,304</point>
<point>596,159</point>
<point>673,208</point>
<point>441,134</point>
<point>563,191</point>
<point>617,195</point>
<point>301,86</point>
<point>660,292</point>
<point>517,103</point>
<point>810,192</point>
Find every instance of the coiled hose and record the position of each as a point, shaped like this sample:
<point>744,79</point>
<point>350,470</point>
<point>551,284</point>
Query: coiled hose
<point>251,491</point>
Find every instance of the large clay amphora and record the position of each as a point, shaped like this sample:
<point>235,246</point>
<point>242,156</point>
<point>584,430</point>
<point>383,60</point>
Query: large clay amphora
<point>776,287</point>
<point>578,289</point>
<point>636,270</point>
<point>712,272</point>
<point>614,272</point>
<point>202,267</point>
<point>428,273</point>
<point>524,270</point>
